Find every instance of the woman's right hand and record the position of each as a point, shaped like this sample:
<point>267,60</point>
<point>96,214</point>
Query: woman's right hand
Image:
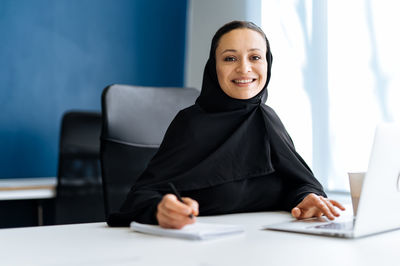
<point>171,213</point>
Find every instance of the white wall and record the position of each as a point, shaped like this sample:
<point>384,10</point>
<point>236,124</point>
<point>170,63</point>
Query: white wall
<point>205,17</point>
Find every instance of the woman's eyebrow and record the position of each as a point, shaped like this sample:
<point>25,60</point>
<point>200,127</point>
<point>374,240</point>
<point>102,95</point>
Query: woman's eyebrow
<point>229,50</point>
<point>254,49</point>
<point>234,51</point>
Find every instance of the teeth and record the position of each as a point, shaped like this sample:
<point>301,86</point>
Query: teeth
<point>243,80</point>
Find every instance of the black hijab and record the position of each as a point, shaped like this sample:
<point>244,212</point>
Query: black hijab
<point>220,139</point>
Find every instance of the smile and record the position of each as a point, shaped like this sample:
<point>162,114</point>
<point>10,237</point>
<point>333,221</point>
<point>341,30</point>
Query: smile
<point>243,81</point>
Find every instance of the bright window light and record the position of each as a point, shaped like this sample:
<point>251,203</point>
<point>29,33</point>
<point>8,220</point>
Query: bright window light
<point>335,75</point>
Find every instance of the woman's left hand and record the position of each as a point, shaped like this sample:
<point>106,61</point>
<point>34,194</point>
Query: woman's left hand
<point>315,206</point>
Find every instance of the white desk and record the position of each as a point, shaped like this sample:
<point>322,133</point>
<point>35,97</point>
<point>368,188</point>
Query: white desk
<point>28,188</point>
<point>97,244</point>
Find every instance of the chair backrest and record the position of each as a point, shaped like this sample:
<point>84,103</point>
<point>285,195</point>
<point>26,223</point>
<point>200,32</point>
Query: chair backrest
<point>79,153</point>
<point>79,189</point>
<point>134,123</point>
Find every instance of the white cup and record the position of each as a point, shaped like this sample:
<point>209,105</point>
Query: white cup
<point>356,181</point>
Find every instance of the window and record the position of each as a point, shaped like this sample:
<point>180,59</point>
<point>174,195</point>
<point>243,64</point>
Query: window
<point>335,75</point>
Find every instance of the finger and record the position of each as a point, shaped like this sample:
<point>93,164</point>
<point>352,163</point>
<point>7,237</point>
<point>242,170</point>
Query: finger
<point>169,219</point>
<point>309,206</point>
<point>166,221</point>
<point>193,204</point>
<point>171,214</point>
<point>304,213</point>
<point>179,223</point>
<point>309,212</point>
<point>173,204</point>
<point>322,206</point>
<point>310,200</point>
<point>302,210</point>
<point>163,220</point>
<point>168,212</point>
<point>330,206</point>
<point>337,204</point>
<point>318,214</point>
<point>317,207</point>
<point>296,212</point>
<point>172,219</point>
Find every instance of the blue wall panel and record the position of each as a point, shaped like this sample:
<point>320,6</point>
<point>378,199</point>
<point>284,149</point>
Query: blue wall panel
<point>59,55</point>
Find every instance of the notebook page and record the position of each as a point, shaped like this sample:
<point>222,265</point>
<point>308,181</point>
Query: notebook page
<point>196,231</point>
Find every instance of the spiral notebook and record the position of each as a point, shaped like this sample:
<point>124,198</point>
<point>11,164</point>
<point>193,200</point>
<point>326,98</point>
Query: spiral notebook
<point>196,231</point>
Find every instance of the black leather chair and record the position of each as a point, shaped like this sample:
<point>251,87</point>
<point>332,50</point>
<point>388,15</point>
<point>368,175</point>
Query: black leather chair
<point>134,122</point>
<point>79,190</point>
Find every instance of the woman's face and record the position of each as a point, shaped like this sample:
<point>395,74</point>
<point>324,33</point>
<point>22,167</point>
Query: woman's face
<point>241,63</point>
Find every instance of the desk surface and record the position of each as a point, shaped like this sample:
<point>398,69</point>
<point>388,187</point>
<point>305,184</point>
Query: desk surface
<point>97,244</point>
<point>28,188</point>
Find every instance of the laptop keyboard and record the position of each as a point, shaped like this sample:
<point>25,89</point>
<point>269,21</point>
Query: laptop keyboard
<point>336,226</point>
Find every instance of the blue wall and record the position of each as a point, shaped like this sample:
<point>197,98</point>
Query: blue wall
<point>59,55</point>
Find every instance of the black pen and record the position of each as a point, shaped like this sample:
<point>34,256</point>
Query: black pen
<point>178,196</point>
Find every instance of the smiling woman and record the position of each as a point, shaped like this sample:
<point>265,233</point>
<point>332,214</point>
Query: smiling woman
<point>241,66</point>
<point>229,152</point>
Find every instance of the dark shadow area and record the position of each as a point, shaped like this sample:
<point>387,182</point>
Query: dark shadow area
<point>23,213</point>
<point>79,196</point>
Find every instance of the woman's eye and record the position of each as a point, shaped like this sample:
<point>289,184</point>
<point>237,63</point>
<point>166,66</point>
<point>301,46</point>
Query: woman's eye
<point>256,57</point>
<point>229,59</point>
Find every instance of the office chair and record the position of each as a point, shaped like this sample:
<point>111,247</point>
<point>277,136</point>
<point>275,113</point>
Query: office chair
<point>134,122</point>
<point>79,190</point>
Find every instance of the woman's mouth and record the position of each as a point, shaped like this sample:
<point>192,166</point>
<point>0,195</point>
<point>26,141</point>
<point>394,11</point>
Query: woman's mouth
<point>243,81</point>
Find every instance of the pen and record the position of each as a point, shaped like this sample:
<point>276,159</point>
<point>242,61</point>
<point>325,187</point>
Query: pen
<point>178,196</point>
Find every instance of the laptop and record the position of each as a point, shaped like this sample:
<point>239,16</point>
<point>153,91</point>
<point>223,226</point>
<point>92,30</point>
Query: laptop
<point>379,204</point>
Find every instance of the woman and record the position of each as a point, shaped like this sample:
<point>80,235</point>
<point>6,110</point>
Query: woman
<point>228,152</point>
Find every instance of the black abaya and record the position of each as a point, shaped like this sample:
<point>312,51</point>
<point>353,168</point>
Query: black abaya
<point>230,155</point>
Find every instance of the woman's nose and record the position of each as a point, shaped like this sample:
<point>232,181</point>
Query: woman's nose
<point>243,67</point>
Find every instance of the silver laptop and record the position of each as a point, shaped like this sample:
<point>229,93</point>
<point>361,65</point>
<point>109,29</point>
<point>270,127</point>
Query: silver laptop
<point>379,205</point>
